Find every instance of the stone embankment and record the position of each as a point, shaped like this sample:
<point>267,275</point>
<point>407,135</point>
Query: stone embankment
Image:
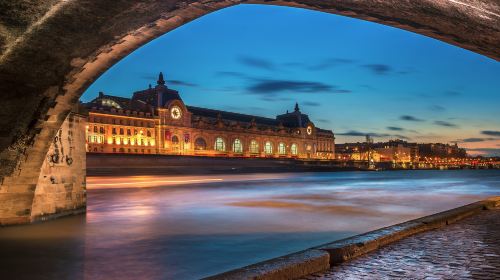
<point>469,249</point>
<point>126,164</point>
<point>387,252</point>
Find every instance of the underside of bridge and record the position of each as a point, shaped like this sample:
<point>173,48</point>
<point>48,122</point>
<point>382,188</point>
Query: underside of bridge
<point>51,51</point>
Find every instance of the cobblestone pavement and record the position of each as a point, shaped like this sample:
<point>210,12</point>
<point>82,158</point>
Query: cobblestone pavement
<point>468,249</point>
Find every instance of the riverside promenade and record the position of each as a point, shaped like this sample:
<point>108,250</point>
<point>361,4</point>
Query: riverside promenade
<point>461,243</point>
<point>467,249</point>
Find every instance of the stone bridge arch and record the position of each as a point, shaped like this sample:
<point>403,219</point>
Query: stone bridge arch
<point>51,51</point>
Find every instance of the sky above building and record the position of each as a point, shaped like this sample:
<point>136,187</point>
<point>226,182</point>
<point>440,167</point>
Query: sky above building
<point>352,76</point>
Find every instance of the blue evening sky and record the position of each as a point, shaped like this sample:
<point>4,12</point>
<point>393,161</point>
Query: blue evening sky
<point>351,76</point>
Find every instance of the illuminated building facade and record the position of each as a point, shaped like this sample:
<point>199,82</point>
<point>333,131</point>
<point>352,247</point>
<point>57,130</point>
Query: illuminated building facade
<point>156,121</point>
<point>399,151</point>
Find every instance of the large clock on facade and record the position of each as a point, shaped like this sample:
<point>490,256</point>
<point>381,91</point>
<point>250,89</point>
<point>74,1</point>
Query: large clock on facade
<point>309,130</point>
<point>176,112</point>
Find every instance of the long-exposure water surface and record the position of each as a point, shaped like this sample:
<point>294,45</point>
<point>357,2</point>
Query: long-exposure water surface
<point>188,228</point>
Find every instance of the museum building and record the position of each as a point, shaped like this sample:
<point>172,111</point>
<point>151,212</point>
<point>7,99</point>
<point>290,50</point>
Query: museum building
<point>156,121</point>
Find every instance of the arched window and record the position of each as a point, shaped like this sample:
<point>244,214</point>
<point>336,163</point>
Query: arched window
<point>101,130</point>
<point>294,149</point>
<point>254,147</point>
<point>95,129</point>
<point>268,148</point>
<point>281,148</point>
<point>200,144</point>
<point>220,145</point>
<point>149,133</point>
<point>237,146</point>
<point>121,131</point>
<point>175,139</point>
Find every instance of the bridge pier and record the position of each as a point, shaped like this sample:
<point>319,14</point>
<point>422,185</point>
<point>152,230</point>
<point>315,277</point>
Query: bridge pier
<point>57,188</point>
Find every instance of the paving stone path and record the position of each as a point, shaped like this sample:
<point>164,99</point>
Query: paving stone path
<point>468,249</point>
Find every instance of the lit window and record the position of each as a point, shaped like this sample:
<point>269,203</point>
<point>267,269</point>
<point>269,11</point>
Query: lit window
<point>281,148</point>
<point>200,144</point>
<point>220,145</point>
<point>237,146</point>
<point>254,147</point>
<point>294,149</point>
<point>268,148</point>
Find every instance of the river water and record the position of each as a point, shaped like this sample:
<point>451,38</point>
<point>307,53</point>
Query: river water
<point>191,227</point>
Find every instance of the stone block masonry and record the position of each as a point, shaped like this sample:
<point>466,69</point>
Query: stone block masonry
<point>60,187</point>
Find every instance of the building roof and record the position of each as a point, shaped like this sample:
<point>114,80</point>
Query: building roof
<point>160,95</point>
<point>157,96</point>
<point>230,116</point>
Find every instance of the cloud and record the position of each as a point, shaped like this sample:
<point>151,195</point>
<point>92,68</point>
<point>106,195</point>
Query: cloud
<point>395,128</point>
<point>273,98</point>
<point>311,103</point>
<point>268,86</point>
<point>410,118</point>
<point>474,139</point>
<point>491,133</point>
<point>256,62</point>
<point>181,83</point>
<point>437,108</point>
<point>407,71</point>
<point>329,63</point>
<point>446,124</point>
<point>379,69</point>
<point>324,121</point>
<point>373,134</point>
<point>358,133</point>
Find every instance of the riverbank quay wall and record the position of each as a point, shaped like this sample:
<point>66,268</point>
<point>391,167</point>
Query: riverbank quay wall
<point>58,188</point>
<point>99,164</point>
<point>126,164</point>
<point>323,257</point>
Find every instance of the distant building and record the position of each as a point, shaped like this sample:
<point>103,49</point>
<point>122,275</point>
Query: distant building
<point>398,151</point>
<point>156,121</point>
<point>441,150</point>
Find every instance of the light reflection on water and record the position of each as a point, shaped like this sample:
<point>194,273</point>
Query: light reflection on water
<point>197,226</point>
